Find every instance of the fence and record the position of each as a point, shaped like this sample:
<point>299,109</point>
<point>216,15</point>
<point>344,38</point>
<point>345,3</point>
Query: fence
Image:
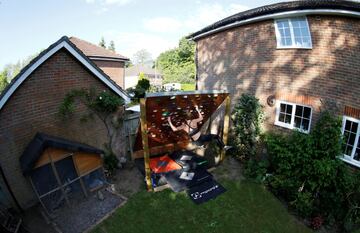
<point>131,125</point>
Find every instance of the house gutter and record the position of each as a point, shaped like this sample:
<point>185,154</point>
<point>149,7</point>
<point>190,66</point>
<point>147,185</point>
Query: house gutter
<point>98,58</point>
<point>10,190</point>
<point>278,15</point>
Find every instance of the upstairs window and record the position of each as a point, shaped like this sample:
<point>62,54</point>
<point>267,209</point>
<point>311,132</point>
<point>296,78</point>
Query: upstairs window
<point>293,116</point>
<point>293,33</point>
<point>351,144</point>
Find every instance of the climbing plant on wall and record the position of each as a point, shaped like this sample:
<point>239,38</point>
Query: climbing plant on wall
<point>103,105</point>
<point>247,117</point>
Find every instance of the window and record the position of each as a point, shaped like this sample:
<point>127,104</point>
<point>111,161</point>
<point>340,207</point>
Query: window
<point>293,33</point>
<point>293,116</point>
<point>350,146</point>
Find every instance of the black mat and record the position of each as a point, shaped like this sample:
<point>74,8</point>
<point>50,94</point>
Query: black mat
<point>194,163</point>
<point>177,184</point>
<point>205,191</point>
<point>201,188</point>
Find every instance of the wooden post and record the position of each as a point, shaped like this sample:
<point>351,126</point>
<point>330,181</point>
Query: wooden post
<point>78,173</point>
<point>144,136</point>
<point>58,179</point>
<point>226,124</point>
<point>38,195</point>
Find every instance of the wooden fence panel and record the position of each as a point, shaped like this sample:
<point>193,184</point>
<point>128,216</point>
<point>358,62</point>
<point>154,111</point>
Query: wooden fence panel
<point>131,123</point>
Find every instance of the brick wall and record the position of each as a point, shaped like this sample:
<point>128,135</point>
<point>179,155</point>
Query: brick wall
<point>33,108</point>
<point>245,60</point>
<point>114,69</point>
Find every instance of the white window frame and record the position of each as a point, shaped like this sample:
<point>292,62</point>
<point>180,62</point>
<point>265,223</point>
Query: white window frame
<point>293,46</point>
<point>346,158</point>
<point>291,125</point>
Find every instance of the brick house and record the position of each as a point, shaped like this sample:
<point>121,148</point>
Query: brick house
<point>297,57</point>
<point>111,63</point>
<point>30,105</point>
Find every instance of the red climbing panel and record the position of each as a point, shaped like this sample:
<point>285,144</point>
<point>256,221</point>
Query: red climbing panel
<point>176,104</point>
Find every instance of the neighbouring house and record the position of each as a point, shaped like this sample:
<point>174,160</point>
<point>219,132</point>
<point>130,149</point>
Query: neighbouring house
<point>30,105</point>
<point>111,63</point>
<point>132,75</point>
<point>297,57</point>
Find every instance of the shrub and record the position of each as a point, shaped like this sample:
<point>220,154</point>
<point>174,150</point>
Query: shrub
<point>140,89</point>
<point>309,175</point>
<point>110,161</point>
<point>247,117</point>
<point>256,169</point>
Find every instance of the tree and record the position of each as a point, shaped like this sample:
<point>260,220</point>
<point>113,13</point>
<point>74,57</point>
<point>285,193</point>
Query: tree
<point>178,64</point>
<point>102,43</point>
<point>111,46</point>
<point>128,64</point>
<point>11,70</point>
<point>142,86</point>
<point>142,57</point>
<point>3,80</point>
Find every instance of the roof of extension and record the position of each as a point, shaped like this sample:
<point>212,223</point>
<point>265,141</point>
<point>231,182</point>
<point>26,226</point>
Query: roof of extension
<point>94,51</point>
<point>65,43</point>
<point>135,70</point>
<point>41,141</point>
<point>275,10</point>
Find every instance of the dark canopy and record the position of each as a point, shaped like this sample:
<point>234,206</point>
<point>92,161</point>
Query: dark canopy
<point>42,141</point>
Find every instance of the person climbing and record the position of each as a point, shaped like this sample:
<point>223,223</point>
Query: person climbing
<point>190,126</point>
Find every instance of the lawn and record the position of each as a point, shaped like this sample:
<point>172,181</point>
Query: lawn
<point>187,87</point>
<point>245,207</point>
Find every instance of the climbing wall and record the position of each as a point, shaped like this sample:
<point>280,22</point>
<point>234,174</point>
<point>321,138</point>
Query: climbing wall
<point>177,105</point>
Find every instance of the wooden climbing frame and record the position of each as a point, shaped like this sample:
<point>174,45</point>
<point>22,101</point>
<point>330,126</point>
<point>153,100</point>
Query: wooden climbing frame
<point>155,136</point>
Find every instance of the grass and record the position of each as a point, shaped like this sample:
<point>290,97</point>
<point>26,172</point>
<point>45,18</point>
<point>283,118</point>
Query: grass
<point>187,87</point>
<point>245,207</point>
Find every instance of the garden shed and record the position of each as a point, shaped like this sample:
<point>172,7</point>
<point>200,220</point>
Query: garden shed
<point>61,171</point>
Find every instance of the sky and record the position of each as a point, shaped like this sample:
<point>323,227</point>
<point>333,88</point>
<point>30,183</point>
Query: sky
<point>29,26</point>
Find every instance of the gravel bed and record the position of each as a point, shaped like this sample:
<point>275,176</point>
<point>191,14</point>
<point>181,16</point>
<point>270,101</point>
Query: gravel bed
<point>85,212</point>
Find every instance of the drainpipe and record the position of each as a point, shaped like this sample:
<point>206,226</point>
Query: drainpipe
<point>9,189</point>
<point>196,66</point>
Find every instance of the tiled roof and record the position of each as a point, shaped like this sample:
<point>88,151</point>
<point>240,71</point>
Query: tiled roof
<point>17,80</point>
<point>279,8</point>
<point>95,51</point>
